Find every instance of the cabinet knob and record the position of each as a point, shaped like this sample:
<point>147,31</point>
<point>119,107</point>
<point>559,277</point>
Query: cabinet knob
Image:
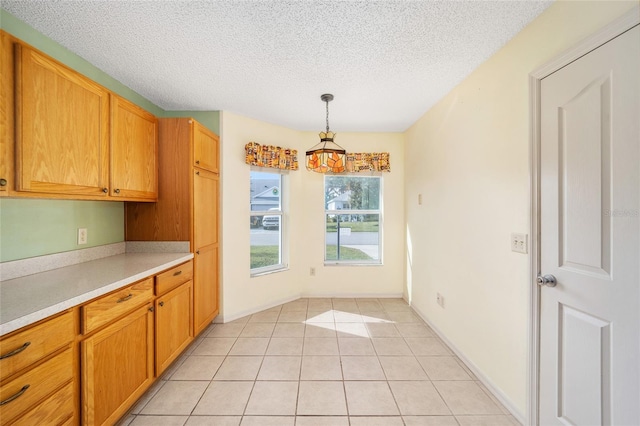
<point>117,191</point>
<point>161,303</point>
<point>3,182</point>
<point>105,190</point>
<point>198,173</point>
<point>151,309</point>
<point>197,251</point>
<point>197,161</point>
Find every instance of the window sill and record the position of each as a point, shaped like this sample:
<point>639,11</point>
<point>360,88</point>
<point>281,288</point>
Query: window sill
<point>351,264</point>
<point>270,271</point>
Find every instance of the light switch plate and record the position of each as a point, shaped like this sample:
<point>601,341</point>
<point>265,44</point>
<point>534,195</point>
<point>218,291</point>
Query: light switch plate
<point>519,243</point>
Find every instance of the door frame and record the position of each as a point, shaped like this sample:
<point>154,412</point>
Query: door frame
<point>627,21</point>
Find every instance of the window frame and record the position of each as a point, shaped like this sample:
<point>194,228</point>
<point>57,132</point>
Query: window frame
<point>379,212</point>
<point>283,264</point>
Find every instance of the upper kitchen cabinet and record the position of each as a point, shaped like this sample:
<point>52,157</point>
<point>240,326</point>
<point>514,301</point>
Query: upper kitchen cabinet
<point>7,118</point>
<point>62,128</point>
<point>134,151</point>
<point>205,148</point>
<point>63,135</point>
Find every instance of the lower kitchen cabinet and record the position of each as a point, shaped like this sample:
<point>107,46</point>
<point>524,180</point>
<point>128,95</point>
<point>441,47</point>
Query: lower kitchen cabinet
<point>90,364</point>
<point>174,324</point>
<point>205,293</point>
<point>22,397</point>
<point>117,366</point>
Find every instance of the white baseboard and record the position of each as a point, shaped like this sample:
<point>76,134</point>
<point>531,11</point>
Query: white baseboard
<point>232,317</point>
<point>222,318</point>
<point>352,295</point>
<point>500,396</point>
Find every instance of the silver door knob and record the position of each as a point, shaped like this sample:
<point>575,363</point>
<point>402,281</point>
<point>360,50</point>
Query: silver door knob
<point>548,280</point>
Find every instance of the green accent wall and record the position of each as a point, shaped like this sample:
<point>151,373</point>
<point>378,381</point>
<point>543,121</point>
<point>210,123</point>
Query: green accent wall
<point>36,227</point>
<point>209,119</point>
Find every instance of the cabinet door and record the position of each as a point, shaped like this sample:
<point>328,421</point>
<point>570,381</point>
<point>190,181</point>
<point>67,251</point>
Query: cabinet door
<point>62,128</point>
<point>205,148</point>
<point>205,208</point>
<point>7,119</point>
<point>117,367</point>
<point>134,151</point>
<point>205,293</point>
<point>174,325</point>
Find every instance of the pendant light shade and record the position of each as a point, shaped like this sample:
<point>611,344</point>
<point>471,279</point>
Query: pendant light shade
<point>326,156</point>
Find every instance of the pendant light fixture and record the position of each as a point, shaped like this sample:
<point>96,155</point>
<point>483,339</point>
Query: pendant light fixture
<point>327,156</point>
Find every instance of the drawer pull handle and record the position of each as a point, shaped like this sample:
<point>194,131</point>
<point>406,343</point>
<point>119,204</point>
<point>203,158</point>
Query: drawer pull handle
<point>161,303</point>
<point>175,274</point>
<point>16,396</point>
<point>15,351</point>
<point>124,299</point>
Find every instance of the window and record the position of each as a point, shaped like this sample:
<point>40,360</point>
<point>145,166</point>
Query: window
<point>353,219</point>
<point>266,222</point>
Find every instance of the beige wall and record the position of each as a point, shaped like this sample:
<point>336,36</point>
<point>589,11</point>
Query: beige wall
<point>243,294</point>
<point>468,157</point>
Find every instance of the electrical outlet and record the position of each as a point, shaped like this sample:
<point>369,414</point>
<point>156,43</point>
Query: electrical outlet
<point>312,271</point>
<point>419,199</point>
<point>82,236</point>
<point>440,299</point>
<point>519,243</point>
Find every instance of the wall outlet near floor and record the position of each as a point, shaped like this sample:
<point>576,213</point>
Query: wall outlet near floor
<point>82,236</point>
<point>312,271</point>
<point>519,243</point>
<point>440,299</point>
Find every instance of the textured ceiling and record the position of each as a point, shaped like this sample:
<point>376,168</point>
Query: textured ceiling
<point>386,62</point>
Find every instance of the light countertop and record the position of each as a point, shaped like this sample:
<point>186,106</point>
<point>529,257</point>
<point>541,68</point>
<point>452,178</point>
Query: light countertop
<point>26,300</point>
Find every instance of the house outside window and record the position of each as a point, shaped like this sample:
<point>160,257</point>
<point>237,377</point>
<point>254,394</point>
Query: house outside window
<point>353,219</point>
<point>266,222</point>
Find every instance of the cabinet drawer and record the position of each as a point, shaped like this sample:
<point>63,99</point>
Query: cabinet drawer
<point>21,393</point>
<point>58,409</point>
<point>173,277</point>
<point>109,307</point>
<point>25,347</point>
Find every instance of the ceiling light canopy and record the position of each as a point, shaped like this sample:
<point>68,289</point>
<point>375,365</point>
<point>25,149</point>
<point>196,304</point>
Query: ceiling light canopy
<point>327,156</point>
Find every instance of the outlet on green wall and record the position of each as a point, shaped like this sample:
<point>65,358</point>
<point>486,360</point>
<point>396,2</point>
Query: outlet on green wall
<point>32,227</point>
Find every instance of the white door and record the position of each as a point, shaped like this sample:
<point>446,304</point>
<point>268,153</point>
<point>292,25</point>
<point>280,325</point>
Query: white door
<point>590,238</point>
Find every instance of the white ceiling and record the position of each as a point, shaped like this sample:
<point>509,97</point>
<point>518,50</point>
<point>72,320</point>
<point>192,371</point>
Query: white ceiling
<point>386,62</point>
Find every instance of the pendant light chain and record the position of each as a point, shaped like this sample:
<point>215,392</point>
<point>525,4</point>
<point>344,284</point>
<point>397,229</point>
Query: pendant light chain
<point>327,104</point>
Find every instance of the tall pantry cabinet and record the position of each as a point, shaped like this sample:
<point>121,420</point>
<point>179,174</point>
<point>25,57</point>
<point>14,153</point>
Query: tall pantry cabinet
<point>187,207</point>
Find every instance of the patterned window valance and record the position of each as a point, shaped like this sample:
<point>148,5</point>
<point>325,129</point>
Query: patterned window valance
<point>271,156</point>
<point>368,161</point>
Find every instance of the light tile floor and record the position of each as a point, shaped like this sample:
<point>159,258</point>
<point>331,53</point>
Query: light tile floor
<point>321,362</point>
